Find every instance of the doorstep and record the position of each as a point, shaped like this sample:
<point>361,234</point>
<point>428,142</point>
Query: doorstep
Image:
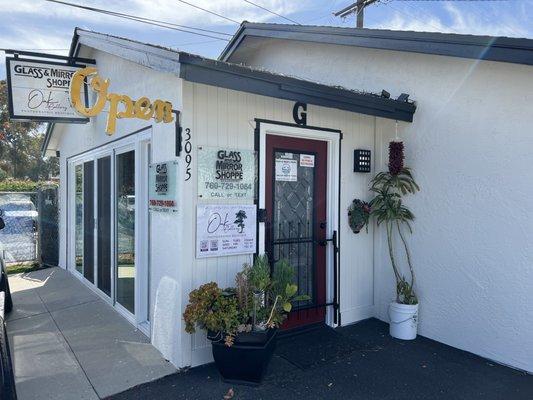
<point>68,343</point>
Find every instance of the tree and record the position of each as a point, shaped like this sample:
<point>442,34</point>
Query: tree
<point>239,219</point>
<point>20,144</point>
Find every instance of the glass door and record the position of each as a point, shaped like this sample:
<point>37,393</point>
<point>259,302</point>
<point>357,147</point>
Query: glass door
<point>296,182</point>
<point>84,219</point>
<point>108,199</point>
<point>125,229</point>
<point>103,231</point>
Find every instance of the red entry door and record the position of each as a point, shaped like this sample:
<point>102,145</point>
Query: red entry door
<point>295,187</point>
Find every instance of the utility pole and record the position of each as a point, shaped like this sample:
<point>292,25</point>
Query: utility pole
<point>357,8</point>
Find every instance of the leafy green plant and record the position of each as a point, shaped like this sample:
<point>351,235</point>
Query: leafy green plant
<point>258,301</point>
<point>212,309</point>
<point>259,274</point>
<point>388,209</point>
<point>11,185</point>
<point>284,292</point>
<point>358,215</point>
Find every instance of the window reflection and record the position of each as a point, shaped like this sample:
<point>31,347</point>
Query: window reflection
<point>79,218</point>
<point>125,206</point>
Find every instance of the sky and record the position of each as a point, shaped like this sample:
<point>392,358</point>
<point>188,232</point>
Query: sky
<point>44,26</point>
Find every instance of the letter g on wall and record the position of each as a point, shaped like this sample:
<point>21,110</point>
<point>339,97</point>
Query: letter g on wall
<point>97,84</point>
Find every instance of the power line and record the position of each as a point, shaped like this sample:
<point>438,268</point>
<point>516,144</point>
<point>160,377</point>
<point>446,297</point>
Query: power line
<point>210,12</point>
<point>178,46</point>
<point>36,49</point>
<point>272,12</point>
<point>161,24</point>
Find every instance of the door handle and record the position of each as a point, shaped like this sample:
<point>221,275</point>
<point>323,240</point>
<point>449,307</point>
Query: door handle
<point>323,225</point>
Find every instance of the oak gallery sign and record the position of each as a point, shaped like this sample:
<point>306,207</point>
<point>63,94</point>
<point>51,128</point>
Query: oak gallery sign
<point>120,105</point>
<point>39,91</point>
<point>226,174</point>
<point>223,229</point>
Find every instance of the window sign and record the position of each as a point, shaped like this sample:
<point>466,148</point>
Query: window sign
<point>39,91</point>
<point>223,230</point>
<point>286,170</point>
<point>163,181</point>
<point>307,160</point>
<point>226,174</point>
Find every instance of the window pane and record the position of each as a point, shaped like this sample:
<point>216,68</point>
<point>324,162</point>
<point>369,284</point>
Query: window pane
<point>104,224</point>
<point>125,206</point>
<point>88,221</point>
<point>79,218</point>
<point>293,229</point>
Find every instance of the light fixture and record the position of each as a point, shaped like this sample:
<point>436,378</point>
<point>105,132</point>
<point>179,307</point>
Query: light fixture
<point>361,160</point>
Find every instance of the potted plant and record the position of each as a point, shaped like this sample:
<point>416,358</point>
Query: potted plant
<point>358,215</point>
<point>388,209</point>
<point>242,321</point>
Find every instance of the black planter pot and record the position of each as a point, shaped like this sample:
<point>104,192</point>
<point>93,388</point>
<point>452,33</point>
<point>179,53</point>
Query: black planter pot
<point>245,362</point>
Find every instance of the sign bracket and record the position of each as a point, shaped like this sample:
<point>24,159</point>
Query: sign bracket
<point>68,60</point>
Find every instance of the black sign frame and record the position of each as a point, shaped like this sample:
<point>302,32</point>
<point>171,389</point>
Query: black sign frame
<point>24,118</point>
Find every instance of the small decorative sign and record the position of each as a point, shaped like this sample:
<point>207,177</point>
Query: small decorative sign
<point>223,230</point>
<point>307,160</point>
<point>286,170</point>
<point>163,180</point>
<point>39,91</point>
<point>226,174</point>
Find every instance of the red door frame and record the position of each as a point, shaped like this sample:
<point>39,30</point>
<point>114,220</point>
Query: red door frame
<point>319,148</point>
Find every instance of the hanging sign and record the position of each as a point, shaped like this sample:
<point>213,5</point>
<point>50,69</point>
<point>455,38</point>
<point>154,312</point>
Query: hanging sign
<point>225,230</point>
<point>120,105</point>
<point>286,170</point>
<point>225,174</point>
<point>39,91</point>
<point>163,180</point>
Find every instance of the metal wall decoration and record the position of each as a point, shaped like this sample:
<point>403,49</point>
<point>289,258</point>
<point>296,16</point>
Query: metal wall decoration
<point>362,160</point>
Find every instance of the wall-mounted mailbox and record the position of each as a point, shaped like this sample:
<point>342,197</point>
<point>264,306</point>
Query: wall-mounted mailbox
<point>361,160</point>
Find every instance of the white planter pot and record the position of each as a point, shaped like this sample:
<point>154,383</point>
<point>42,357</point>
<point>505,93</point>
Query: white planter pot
<point>403,320</point>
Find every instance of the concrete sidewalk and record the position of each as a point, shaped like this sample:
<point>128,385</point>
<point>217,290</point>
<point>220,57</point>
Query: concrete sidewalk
<point>67,343</point>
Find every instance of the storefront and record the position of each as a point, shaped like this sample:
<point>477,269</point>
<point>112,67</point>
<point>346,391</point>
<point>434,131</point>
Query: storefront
<point>183,168</point>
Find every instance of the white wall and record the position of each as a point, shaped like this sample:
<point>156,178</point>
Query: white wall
<point>221,117</point>
<point>136,81</point>
<point>470,147</point>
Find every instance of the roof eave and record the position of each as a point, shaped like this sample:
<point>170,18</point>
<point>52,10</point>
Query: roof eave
<point>288,88</point>
<point>503,49</point>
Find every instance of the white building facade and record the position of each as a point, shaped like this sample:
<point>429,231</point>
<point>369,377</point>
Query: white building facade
<point>145,263</point>
<point>466,141</point>
<point>469,147</point>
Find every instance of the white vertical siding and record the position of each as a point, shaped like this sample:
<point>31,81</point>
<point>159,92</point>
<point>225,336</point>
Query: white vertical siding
<point>221,117</point>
